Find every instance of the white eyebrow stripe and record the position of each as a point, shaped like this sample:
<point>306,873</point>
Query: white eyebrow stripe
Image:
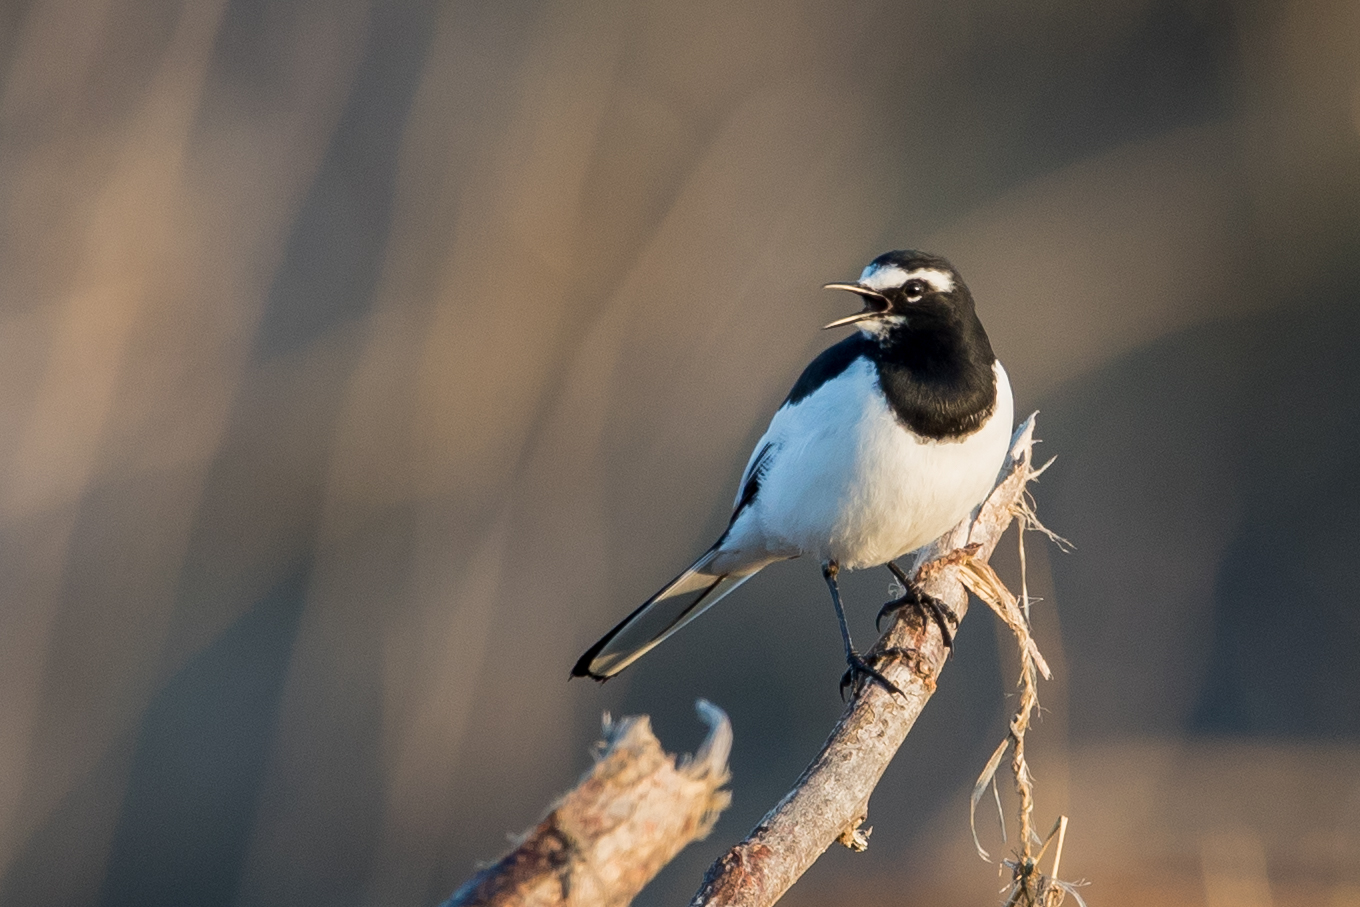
<point>883,277</point>
<point>890,277</point>
<point>940,281</point>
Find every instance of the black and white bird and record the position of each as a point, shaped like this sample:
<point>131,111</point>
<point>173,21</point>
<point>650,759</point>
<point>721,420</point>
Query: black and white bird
<point>887,440</point>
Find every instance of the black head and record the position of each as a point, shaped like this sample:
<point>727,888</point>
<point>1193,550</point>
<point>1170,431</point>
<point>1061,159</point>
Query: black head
<point>907,288</point>
<point>935,364</point>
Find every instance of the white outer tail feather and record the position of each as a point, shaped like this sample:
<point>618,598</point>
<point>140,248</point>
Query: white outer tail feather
<point>675,605</point>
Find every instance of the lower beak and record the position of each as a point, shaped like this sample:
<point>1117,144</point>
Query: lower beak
<point>875,304</point>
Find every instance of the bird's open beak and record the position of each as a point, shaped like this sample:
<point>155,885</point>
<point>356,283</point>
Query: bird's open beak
<point>875,303</point>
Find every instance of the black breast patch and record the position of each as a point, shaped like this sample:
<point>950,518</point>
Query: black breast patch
<point>939,380</point>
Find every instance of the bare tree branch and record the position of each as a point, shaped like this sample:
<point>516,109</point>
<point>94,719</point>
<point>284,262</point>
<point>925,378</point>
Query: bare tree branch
<point>830,800</point>
<point>626,818</point>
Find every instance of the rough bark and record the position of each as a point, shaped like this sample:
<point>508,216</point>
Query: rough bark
<point>830,800</point>
<point>626,818</point>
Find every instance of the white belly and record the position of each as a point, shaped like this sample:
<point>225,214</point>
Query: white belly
<point>855,486</point>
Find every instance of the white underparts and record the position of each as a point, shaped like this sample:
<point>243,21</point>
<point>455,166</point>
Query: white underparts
<point>846,481</point>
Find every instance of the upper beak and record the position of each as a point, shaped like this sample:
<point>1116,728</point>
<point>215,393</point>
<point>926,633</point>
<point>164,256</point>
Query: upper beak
<point>875,303</point>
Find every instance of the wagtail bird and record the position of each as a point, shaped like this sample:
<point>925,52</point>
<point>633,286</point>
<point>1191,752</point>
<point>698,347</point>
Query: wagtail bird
<point>887,440</point>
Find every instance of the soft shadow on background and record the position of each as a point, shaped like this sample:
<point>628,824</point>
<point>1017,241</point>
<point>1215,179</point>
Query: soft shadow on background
<point>360,364</point>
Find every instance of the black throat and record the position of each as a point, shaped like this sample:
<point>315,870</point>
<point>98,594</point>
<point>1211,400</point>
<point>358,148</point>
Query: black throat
<point>937,373</point>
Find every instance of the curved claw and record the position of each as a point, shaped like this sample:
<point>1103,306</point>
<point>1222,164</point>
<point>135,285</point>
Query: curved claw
<point>929,606</point>
<point>888,608</point>
<point>858,669</point>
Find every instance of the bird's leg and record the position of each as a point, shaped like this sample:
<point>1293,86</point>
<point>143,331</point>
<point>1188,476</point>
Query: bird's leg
<point>914,596</point>
<point>858,667</point>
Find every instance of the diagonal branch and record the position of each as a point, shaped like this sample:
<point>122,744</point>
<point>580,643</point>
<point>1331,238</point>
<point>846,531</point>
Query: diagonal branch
<point>830,800</point>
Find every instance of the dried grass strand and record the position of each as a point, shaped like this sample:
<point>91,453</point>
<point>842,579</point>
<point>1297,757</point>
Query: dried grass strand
<point>1029,887</point>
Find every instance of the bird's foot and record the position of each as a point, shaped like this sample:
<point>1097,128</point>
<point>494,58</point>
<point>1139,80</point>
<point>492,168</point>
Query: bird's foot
<point>929,606</point>
<point>859,670</point>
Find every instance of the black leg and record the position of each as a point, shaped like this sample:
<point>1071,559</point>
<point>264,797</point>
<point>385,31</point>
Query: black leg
<point>928,605</point>
<point>858,667</point>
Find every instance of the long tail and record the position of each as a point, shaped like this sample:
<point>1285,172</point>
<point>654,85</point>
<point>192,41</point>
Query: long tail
<point>679,602</point>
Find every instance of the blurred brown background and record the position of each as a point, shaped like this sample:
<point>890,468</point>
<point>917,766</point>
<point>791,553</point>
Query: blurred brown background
<point>363,363</point>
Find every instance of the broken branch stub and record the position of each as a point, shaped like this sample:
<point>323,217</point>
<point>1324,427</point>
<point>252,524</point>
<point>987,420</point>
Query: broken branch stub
<point>629,815</point>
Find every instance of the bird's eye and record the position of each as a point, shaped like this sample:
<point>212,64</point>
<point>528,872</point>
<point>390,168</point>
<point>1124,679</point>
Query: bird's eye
<point>914,289</point>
